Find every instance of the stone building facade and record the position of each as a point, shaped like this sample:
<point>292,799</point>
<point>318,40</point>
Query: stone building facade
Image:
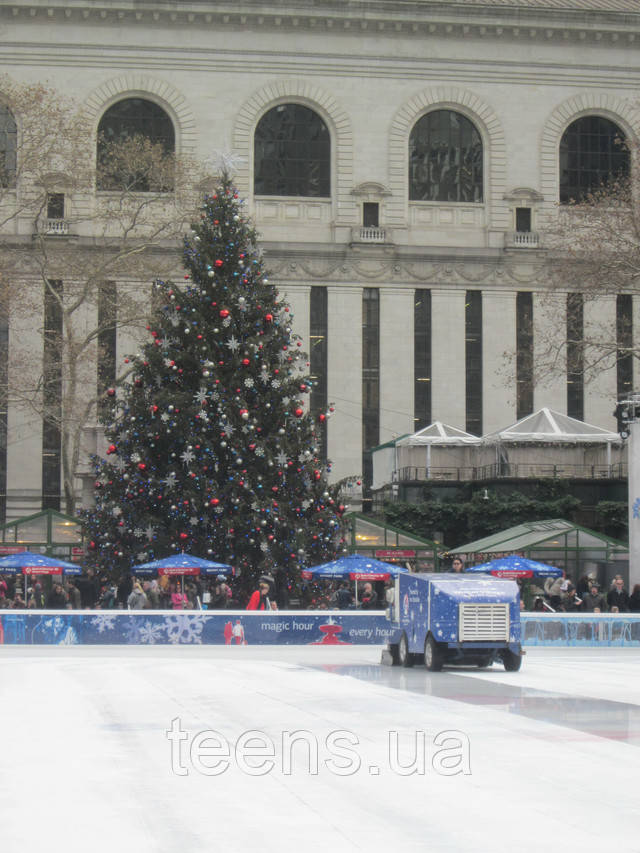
<point>431,140</point>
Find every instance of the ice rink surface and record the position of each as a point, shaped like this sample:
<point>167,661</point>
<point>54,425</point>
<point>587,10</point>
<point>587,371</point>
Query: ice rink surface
<point>549,757</point>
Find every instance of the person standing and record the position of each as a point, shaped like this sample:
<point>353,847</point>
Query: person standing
<point>618,596</point>
<point>457,565</point>
<point>634,599</point>
<point>75,598</point>
<point>594,599</point>
<point>150,589</point>
<point>221,594</point>
<point>368,597</point>
<point>344,596</point>
<point>136,599</point>
<point>179,600</point>
<point>260,598</point>
<point>57,600</point>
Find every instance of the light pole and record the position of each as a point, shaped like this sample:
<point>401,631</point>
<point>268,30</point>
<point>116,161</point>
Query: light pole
<point>627,414</point>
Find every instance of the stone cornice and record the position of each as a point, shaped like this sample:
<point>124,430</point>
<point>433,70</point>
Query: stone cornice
<point>393,19</point>
<point>403,267</point>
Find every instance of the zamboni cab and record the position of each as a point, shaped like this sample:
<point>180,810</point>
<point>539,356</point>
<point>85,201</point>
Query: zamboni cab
<point>454,619</point>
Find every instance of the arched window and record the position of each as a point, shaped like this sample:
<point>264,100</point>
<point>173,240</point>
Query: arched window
<point>136,143</point>
<point>292,153</point>
<point>8,145</point>
<point>592,153</point>
<point>445,158</point>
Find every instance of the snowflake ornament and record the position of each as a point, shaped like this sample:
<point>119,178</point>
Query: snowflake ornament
<point>170,480</point>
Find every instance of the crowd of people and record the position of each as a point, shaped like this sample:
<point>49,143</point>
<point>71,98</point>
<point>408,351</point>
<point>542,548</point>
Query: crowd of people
<point>587,596</point>
<point>90,591</point>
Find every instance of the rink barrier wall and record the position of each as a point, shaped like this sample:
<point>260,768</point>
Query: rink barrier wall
<point>169,627</point>
<point>292,627</point>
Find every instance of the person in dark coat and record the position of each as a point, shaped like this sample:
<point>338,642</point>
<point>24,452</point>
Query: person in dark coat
<point>221,595</point>
<point>89,589</point>
<point>634,599</point>
<point>368,597</point>
<point>125,588</point>
<point>75,598</point>
<point>344,596</point>
<point>594,599</point>
<point>618,596</point>
<point>57,600</point>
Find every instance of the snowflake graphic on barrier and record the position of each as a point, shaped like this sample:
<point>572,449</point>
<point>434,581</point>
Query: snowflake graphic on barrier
<point>636,508</point>
<point>69,638</point>
<point>183,628</point>
<point>104,622</point>
<point>151,633</point>
<point>132,631</point>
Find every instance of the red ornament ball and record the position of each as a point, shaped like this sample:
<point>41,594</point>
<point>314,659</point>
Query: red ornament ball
<point>111,449</point>
<point>224,313</point>
<point>298,412</point>
<point>218,263</point>
<point>268,318</point>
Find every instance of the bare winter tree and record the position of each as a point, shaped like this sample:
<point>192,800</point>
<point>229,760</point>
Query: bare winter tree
<point>86,225</point>
<point>592,259</point>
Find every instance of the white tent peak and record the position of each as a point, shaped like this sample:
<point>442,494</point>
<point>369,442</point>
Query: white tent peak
<point>439,433</point>
<point>548,425</point>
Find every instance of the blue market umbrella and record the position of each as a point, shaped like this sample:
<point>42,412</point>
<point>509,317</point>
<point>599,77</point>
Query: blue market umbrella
<point>182,564</point>
<point>28,563</point>
<point>513,566</point>
<point>354,567</point>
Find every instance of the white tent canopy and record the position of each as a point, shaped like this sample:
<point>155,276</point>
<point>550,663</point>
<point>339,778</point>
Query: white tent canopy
<point>439,433</point>
<point>549,426</point>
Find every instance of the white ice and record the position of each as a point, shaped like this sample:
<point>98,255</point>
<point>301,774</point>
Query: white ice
<point>85,763</point>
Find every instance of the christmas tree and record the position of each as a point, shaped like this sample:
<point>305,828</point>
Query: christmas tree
<point>211,450</point>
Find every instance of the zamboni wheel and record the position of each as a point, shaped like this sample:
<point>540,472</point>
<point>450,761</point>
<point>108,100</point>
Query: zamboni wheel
<point>390,655</point>
<point>405,657</point>
<point>511,661</point>
<point>433,657</point>
<point>484,662</point>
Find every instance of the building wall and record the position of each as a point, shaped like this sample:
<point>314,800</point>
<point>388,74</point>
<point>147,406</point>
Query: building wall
<point>520,76</point>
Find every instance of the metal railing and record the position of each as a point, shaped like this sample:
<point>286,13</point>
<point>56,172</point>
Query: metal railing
<point>514,471</point>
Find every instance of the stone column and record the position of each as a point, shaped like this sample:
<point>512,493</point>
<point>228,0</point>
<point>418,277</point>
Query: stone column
<point>499,390</point>
<point>448,357</point>
<point>344,379</point>
<point>549,322</point>
<point>298,296</point>
<point>601,389</point>
<point>396,362</point>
